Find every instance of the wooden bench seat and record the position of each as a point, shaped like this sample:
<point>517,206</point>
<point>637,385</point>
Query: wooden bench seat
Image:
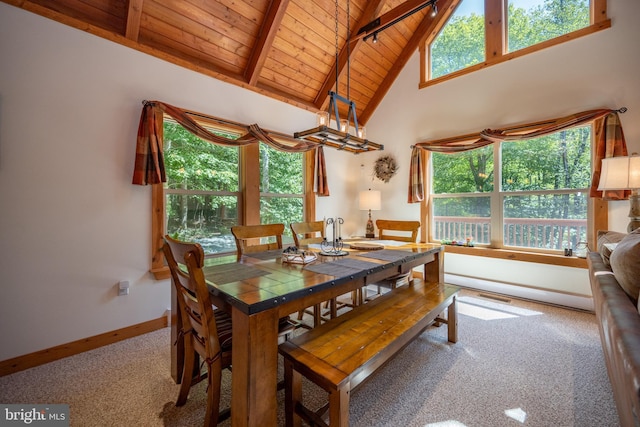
<point>341,353</point>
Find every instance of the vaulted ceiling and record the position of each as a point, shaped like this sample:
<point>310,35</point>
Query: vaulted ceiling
<point>285,49</point>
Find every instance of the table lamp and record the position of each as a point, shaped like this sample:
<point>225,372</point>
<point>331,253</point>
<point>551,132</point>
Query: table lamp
<point>370,200</point>
<point>623,173</point>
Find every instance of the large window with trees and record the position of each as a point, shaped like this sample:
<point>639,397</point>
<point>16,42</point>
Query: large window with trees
<point>281,186</point>
<point>528,194</point>
<point>203,194</point>
<point>478,33</point>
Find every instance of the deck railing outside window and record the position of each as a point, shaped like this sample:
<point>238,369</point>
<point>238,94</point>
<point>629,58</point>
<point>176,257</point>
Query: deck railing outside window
<point>553,234</point>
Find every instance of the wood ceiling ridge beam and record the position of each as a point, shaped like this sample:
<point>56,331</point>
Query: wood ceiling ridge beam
<point>134,15</point>
<point>266,36</point>
<point>426,26</point>
<point>322,98</point>
<point>396,13</point>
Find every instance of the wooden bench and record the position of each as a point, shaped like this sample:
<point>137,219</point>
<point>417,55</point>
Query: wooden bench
<point>341,353</point>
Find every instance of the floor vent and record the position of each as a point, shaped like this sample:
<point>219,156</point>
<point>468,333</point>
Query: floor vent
<point>495,297</point>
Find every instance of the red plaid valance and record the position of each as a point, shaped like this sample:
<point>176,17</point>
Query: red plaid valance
<point>610,143</point>
<point>149,163</point>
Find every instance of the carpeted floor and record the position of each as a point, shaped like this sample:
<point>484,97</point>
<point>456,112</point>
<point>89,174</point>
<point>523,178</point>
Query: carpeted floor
<point>516,363</point>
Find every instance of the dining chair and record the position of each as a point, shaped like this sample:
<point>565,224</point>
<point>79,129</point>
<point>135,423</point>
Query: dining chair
<point>206,331</point>
<point>304,234</point>
<point>402,231</point>
<point>259,238</point>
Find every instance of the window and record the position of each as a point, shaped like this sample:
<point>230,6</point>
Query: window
<point>534,21</point>
<point>202,192</point>
<point>203,197</point>
<point>480,33</point>
<point>281,188</point>
<point>460,44</point>
<point>531,194</point>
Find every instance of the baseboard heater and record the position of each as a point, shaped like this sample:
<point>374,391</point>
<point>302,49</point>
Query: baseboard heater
<point>580,302</point>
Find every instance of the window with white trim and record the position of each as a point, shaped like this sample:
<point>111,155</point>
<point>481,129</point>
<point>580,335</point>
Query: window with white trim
<point>529,194</point>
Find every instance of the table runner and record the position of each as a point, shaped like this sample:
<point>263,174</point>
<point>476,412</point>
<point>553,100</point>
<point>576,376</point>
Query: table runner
<point>273,254</point>
<point>227,273</point>
<point>341,267</point>
<point>391,255</point>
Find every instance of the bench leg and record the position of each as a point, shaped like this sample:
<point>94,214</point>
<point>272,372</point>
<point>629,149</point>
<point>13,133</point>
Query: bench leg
<point>452,321</point>
<point>292,394</point>
<point>339,407</point>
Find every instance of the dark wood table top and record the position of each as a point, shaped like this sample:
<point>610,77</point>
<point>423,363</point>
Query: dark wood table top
<point>263,280</point>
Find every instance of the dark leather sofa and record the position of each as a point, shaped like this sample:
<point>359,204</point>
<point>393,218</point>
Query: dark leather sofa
<point>619,323</point>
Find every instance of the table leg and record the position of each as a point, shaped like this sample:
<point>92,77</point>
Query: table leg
<point>434,270</point>
<point>255,366</point>
<point>452,321</point>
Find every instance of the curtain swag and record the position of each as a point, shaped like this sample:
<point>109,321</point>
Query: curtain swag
<point>149,163</point>
<point>610,143</point>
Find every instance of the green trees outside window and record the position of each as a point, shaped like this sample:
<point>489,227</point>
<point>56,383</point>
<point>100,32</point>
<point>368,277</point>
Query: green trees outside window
<point>281,187</point>
<point>461,42</point>
<point>538,200</point>
<point>203,191</point>
<point>532,22</point>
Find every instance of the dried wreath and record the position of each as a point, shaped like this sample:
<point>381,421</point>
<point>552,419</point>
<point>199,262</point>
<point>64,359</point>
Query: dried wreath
<point>385,168</point>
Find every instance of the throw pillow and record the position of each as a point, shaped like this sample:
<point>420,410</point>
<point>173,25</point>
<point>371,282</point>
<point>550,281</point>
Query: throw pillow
<point>605,237</point>
<point>625,264</point>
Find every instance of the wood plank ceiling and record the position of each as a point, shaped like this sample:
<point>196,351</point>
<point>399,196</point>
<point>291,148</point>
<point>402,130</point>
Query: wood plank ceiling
<point>285,49</point>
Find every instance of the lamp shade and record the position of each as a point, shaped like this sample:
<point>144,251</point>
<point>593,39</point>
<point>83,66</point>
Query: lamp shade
<point>620,173</point>
<point>370,199</point>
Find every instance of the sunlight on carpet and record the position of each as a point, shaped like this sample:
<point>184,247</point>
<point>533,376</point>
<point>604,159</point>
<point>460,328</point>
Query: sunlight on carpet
<point>488,310</point>
<point>448,423</point>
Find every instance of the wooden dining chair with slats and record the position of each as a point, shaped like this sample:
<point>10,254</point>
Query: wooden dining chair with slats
<point>206,331</point>
<point>402,231</point>
<point>257,238</point>
<point>304,234</point>
<point>260,238</point>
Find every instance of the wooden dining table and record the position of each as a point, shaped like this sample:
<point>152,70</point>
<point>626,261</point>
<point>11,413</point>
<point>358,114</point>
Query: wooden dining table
<point>260,288</point>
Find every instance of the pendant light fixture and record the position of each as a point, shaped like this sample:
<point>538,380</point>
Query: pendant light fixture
<point>340,135</point>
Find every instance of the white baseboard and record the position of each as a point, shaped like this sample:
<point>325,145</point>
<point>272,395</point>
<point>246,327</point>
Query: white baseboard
<point>551,297</point>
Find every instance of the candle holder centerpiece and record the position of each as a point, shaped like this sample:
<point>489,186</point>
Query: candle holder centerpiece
<point>336,245</point>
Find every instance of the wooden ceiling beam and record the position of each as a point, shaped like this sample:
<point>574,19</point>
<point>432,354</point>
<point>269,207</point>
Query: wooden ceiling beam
<point>322,98</point>
<point>396,13</point>
<point>134,13</point>
<point>266,36</point>
<point>427,26</point>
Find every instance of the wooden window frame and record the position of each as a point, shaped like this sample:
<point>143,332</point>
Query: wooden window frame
<point>495,39</point>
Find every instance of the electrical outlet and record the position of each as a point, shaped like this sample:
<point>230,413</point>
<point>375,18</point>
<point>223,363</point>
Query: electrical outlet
<point>123,287</point>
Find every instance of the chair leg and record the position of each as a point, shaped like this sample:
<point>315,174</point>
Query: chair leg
<point>292,394</point>
<point>213,393</point>
<point>190,358</point>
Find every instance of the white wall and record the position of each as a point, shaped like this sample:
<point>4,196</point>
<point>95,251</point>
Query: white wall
<point>72,225</point>
<point>597,71</point>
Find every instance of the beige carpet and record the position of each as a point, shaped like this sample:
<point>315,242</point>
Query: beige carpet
<point>516,363</point>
